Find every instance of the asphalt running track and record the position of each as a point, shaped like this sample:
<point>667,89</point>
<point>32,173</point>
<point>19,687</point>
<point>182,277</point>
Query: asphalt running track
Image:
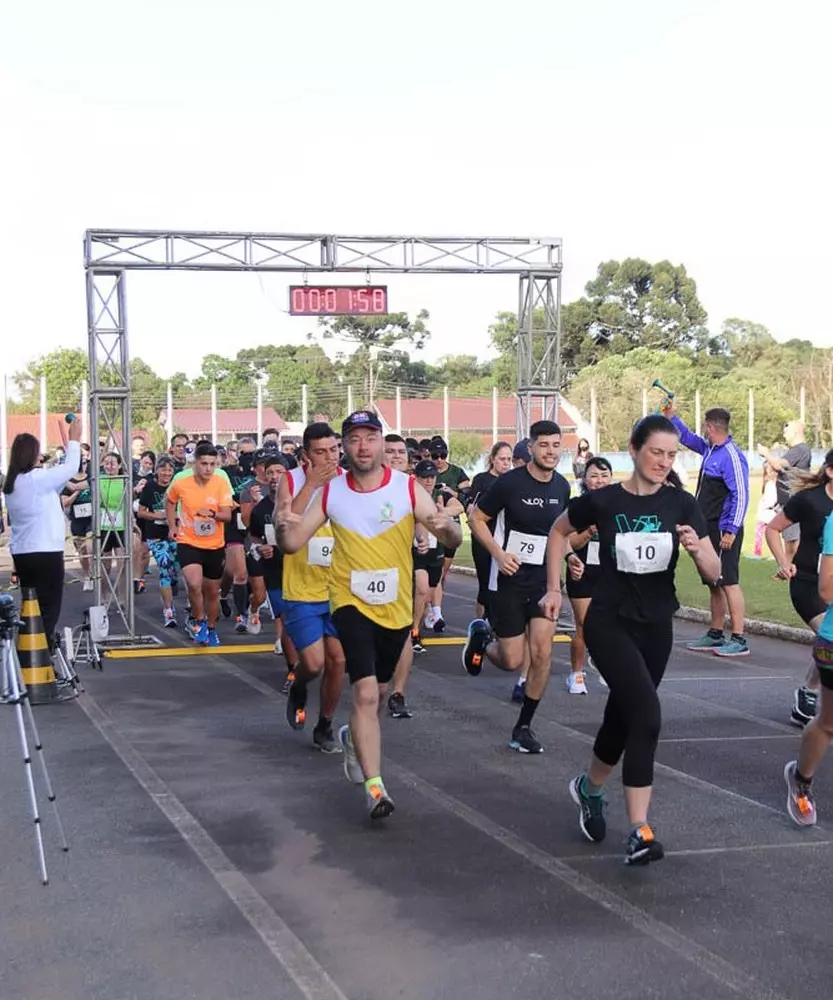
<point>215,856</point>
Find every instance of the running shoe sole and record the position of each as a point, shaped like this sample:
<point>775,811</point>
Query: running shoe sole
<point>331,746</point>
<point>576,797</point>
<point>787,775</point>
<point>350,760</point>
<point>383,808</point>
<point>296,710</point>
<point>730,656</point>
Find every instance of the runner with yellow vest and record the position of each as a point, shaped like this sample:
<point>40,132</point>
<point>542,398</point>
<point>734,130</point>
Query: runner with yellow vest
<point>307,616</point>
<point>373,511</point>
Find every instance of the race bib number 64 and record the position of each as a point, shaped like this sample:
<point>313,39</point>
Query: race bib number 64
<point>644,552</point>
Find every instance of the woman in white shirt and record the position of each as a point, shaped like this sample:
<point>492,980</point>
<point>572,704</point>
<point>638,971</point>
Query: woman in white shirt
<point>36,519</point>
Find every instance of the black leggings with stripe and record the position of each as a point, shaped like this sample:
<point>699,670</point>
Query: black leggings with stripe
<point>632,657</point>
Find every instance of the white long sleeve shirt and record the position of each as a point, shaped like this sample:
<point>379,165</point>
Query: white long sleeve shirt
<point>36,516</point>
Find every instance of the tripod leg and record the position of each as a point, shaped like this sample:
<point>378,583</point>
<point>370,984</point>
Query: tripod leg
<point>50,792</point>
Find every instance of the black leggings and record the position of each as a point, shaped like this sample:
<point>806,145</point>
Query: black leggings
<point>632,657</point>
<point>483,566</point>
<point>44,571</point>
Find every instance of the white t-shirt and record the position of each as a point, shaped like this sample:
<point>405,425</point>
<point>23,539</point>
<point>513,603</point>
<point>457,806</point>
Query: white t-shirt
<point>36,516</point>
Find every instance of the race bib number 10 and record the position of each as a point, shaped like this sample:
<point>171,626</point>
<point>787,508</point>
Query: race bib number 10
<point>375,586</point>
<point>644,552</point>
<point>528,548</point>
<point>320,551</point>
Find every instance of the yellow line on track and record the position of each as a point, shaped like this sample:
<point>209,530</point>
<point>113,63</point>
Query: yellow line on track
<point>142,654</point>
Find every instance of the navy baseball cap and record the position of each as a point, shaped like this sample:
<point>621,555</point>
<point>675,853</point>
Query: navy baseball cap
<point>361,418</point>
<point>521,451</point>
<point>425,469</point>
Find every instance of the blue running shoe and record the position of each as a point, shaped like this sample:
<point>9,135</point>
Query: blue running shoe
<point>475,647</point>
<point>201,633</point>
<point>213,638</point>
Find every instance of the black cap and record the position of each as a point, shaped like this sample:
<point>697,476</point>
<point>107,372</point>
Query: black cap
<point>521,450</point>
<point>260,456</point>
<point>361,418</point>
<point>425,469</point>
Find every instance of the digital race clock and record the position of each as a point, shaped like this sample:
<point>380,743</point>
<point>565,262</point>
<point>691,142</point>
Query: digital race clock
<point>338,300</point>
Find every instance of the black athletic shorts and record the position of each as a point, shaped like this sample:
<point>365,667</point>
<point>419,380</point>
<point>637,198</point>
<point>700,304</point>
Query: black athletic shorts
<point>512,608</point>
<point>580,589</point>
<point>254,567</point>
<point>806,600</point>
<point>111,540</point>
<point>433,569</point>
<point>370,650</point>
<point>730,559</point>
<point>449,553</point>
<point>212,560</point>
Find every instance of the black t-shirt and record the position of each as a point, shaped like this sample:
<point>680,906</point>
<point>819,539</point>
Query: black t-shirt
<point>480,485</point>
<point>261,516</point>
<point>523,510</point>
<point>452,477</point>
<point>153,497</point>
<point>638,547</point>
<point>797,457</point>
<point>809,509</point>
<point>80,512</point>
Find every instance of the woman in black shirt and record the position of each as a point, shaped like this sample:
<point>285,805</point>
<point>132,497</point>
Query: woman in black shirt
<point>500,461</point>
<point>808,507</point>
<point>584,569</point>
<point>641,524</point>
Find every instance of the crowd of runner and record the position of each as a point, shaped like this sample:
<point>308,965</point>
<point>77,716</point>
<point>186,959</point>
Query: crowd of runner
<point>345,542</point>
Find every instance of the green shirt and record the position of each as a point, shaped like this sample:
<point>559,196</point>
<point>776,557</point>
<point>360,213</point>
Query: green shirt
<point>111,493</point>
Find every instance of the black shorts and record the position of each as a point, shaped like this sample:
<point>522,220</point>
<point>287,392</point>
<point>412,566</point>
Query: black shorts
<point>512,608</point>
<point>433,569</point>
<point>212,560</point>
<point>254,567</point>
<point>233,534</point>
<point>730,559</point>
<point>370,650</point>
<point>580,589</point>
<point>111,540</point>
<point>806,600</point>
<point>449,553</point>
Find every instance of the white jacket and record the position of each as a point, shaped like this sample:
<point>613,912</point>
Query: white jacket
<point>36,516</point>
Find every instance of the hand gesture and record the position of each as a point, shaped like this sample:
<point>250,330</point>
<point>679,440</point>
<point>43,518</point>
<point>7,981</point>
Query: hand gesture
<point>550,604</point>
<point>421,537</point>
<point>257,494</point>
<point>786,572</point>
<point>575,566</point>
<point>267,551</point>
<point>284,516</point>
<point>688,538</point>
<point>508,563</point>
<point>727,540</point>
<point>323,474</point>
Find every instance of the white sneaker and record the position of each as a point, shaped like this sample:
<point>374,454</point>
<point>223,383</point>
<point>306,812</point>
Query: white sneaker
<point>253,625</point>
<point>352,768</point>
<point>575,683</point>
<point>429,618</point>
<point>278,647</point>
<point>87,586</point>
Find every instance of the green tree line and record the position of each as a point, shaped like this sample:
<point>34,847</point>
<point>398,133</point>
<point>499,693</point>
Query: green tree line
<point>636,321</point>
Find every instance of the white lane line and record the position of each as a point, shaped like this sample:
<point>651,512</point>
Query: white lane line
<point>701,958</point>
<point>735,678</point>
<point>307,974</point>
<point>727,739</point>
<point>697,851</point>
<point>715,966</point>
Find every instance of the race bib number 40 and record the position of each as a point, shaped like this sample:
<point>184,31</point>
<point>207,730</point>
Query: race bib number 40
<point>375,586</point>
<point>320,551</point>
<point>644,552</point>
<point>528,548</point>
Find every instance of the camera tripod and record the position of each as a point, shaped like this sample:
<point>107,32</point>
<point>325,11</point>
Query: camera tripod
<point>13,692</point>
<point>81,647</point>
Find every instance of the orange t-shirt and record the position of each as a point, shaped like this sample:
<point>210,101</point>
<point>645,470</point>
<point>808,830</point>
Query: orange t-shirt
<point>201,532</point>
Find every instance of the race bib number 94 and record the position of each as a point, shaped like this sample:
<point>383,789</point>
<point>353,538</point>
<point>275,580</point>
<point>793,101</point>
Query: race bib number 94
<point>528,548</point>
<point>644,552</point>
<point>320,551</point>
<point>375,586</point>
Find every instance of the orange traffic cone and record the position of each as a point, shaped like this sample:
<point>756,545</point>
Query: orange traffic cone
<point>33,653</point>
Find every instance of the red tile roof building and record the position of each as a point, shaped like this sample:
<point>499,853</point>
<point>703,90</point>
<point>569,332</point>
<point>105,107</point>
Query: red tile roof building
<point>230,423</point>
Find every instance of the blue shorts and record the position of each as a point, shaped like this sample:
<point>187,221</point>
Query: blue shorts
<point>308,622</point>
<point>277,603</point>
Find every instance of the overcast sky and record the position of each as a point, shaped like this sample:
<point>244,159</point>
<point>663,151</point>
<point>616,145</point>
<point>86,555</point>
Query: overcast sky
<point>696,131</point>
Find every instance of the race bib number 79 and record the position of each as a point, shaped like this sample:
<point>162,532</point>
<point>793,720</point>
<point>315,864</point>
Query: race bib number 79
<point>644,552</point>
<point>528,548</point>
<point>375,586</point>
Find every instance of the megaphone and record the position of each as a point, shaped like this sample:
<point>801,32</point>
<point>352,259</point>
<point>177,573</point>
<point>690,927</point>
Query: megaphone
<point>668,401</point>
